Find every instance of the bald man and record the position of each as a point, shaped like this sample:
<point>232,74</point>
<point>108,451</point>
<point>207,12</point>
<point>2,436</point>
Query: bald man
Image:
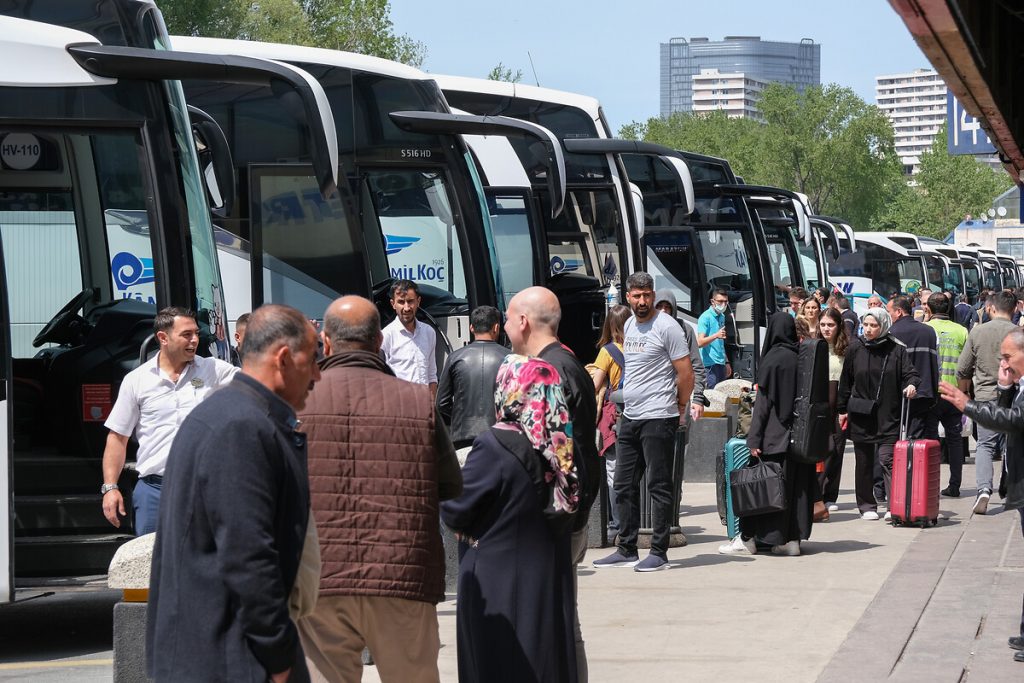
<point>372,438</point>
<point>532,328</point>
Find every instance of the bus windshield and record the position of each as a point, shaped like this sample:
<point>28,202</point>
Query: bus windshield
<point>972,277</point>
<point>935,269</point>
<point>992,279</point>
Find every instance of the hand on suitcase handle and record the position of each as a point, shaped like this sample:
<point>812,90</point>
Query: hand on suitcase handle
<point>910,391</point>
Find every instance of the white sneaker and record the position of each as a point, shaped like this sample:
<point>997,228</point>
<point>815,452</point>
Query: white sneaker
<point>888,515</point>
<point>791,549</point>
<point>833,507</point>
<point>870,514</point>
<point>738,547</point>
<point>981,504</point>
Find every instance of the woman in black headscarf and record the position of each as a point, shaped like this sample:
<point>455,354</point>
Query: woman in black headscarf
<point>768,439</point>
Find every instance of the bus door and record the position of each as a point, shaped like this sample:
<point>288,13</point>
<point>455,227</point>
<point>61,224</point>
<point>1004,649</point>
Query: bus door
<point>827,246</point>
<point>6,443</point>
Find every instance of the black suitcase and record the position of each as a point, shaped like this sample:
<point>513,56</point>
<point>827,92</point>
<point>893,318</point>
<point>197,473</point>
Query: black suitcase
<point>812,418</point>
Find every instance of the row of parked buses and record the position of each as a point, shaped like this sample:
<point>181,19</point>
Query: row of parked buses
<point>139,170</point>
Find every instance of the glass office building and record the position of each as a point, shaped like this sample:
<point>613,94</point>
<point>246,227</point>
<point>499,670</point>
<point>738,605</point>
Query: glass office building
<point>798,64</point>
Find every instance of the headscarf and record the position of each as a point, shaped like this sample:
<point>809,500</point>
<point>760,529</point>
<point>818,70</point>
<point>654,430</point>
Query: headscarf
<point>529,398</point>
<point>776,373</point>
<point>884,321</point>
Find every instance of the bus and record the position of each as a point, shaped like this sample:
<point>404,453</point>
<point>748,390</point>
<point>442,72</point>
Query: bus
<point>1008,268</point>
<point>974,276</point>
<point>992,271</point>
<point>878,266</point>
<point>933,263</point>
<point>104,219</point>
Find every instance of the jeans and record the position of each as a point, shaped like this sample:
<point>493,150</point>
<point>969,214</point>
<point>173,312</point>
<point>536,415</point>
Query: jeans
<point>146,502</point>
<point>989,443</point>
<point>610,460</point>
<point>715,374</point>
<point>644,445</point>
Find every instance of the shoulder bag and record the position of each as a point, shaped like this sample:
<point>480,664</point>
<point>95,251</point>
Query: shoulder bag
<point>758,489</point>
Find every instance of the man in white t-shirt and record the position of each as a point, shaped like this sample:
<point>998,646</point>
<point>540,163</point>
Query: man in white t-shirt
<point>408,345</point>
<point>656,389</point>
<point>153,401</point>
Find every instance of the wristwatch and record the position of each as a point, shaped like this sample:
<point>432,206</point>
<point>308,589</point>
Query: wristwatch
<point>106,488</point>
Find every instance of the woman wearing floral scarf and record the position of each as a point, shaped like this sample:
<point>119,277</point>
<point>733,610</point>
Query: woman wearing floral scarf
<point>515,609</point>
<point>877,374</point>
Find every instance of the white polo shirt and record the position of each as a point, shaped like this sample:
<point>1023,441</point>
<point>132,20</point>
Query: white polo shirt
<point>153,406</point>
<point>411,354</point>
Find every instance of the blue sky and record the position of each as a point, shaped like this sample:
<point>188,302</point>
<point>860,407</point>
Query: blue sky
<point>610,49</point>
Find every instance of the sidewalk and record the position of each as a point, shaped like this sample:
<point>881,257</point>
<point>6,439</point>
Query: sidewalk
<point>865,602</point>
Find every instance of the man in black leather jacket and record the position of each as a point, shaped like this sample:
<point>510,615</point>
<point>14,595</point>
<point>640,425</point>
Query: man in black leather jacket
<point>1005,414</point>
<point>465,390</point>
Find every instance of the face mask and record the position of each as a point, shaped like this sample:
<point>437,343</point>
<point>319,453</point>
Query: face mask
<point>719,308</point>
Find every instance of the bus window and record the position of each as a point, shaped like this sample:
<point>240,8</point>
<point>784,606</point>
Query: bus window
<point>513,241</point>
<point>725,260</point>
<point>672,264</point>
<point>935,271</point>
<point>587,233</point>
<point>419,230</point>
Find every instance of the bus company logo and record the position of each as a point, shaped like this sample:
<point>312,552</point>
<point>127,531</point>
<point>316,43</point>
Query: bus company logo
<point>129,270</point>
<point>560,265</point>
<point>847,287</point>
<point>396,243</point>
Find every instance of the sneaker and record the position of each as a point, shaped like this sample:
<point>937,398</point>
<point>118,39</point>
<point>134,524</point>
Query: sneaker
<point>950,492</point>
<point>739,547</point>
<point>833,507</point>
<point>888,515</point>
<point>1018,656</point>
<point>981,504</point>
<point>791,549</point>
<point>870,514</point>
<point>1016,642</point>
<point>617,559</point>
<point>651,563</point>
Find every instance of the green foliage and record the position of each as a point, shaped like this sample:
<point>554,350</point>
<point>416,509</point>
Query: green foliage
<point>504,73</point>
<point>948,188</point>
<point>362,26</point>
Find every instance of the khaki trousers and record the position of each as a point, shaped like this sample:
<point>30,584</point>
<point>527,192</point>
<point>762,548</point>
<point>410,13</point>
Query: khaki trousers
<point>402,636</point>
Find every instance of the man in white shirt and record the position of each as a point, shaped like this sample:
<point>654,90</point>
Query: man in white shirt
<point>153,401</point>
<point>408,346</point>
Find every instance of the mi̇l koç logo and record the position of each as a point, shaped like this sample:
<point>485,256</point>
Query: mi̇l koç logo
<point>396,243</point>
<point>128,270</point>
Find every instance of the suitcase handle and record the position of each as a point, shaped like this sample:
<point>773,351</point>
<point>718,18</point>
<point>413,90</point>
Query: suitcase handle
<point>904,416</point>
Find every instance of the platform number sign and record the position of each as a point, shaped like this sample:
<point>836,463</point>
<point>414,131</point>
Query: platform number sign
<point>964,134</point>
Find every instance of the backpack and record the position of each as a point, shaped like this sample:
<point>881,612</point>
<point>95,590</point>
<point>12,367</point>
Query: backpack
<point>812,418</point>
<point>610,411</point>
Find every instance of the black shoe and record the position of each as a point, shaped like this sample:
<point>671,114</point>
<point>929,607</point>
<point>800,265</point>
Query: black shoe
<point>1016,642</point>
<point>950,492</point>
<point>1018,656</point>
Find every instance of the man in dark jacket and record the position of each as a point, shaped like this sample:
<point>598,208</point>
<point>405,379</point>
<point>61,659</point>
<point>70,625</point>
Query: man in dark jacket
<point>379,463</point>
<point>1005,414</point>
<point>921,343</point>
<point>531,325</point>
<point>233,518</point>
<point>465,390</point>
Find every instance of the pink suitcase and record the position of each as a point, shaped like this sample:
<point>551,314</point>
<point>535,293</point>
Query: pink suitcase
<point>914,498</point>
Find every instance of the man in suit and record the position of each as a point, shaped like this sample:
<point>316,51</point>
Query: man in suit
<point>233,519</point>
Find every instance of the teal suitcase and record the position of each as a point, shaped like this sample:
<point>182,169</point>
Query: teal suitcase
<point>733,457</point>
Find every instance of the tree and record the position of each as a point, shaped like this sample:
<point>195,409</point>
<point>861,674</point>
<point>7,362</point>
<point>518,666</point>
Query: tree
<point>504,73</point>
<point>362,26</point>
<point>948,188</point>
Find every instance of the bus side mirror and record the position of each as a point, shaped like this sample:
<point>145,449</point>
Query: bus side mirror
<point>215,163</point>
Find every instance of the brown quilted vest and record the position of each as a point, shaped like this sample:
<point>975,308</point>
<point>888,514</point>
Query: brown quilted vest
<point>373,481</point>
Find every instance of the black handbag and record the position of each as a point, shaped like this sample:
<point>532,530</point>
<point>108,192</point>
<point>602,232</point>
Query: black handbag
<point>758,489</point>
<point>867,406</point>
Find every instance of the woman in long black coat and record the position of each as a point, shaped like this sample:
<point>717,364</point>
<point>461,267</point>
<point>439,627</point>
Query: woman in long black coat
<point>877,374</point>
<point>769,438</point>
<point>514,618</point>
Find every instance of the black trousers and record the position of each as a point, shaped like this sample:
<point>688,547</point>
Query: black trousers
<point>868,455</point>
<point>829,479</point>
<point>1021,511</point>
<point>644,445</point>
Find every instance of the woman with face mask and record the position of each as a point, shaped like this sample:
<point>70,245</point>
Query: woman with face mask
<point>876,375</point>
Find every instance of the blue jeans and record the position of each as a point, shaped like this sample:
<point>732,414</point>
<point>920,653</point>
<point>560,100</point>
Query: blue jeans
<point>989,443</point>
<point>146,502</point>
<point>644,445</point>
<point>715,374</point>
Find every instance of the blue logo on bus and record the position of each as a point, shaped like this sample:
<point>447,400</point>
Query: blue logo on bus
<point>560,265</point>
<point>128,270</point>
<point>396,243</point>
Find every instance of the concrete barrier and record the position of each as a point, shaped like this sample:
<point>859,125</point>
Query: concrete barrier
<point>129,571</point>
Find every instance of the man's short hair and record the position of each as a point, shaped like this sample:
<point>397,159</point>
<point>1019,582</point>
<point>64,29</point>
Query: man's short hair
<point>798,292</point>
<point>902,303</point>
<point>639,280</point>
<point>363,332</point>
<point>242,321</point>
<point>483,319</point>
<point>938,304</point>
<point>403,286</point>
<point>1017,335</point>
<point>924,290</point>
<point>841,301</point>
<point>273,324</point>
<point>164,321</point>
<point>718,291</point>
<point>962,298</point>
<point>1003,302</point>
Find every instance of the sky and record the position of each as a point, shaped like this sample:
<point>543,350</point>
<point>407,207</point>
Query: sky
<point>610,50</point>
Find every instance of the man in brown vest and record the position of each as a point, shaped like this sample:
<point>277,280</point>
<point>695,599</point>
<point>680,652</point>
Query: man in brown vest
<point>379,463</point>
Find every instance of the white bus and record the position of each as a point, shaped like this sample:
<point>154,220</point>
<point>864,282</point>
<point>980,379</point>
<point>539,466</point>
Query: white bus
<point>878,266</point>
<point>104,219</point>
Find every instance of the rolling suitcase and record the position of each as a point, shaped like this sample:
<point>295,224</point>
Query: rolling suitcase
<point>733,457</point>
<point>914,498</point>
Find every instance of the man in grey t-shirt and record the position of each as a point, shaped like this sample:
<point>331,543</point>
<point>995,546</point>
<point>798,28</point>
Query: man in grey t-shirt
<point>657,386</point>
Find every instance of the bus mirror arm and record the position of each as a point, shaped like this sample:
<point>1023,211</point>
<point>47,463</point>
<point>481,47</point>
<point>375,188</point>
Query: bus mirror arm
<point>212,144</point>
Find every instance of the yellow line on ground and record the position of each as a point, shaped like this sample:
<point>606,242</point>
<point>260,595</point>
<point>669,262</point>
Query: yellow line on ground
<point>63,664</point>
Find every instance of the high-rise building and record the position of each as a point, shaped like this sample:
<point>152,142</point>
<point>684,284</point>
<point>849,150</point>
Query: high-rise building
<point>915,102</point>
<point>797,64</point>
<point>734,93</point>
